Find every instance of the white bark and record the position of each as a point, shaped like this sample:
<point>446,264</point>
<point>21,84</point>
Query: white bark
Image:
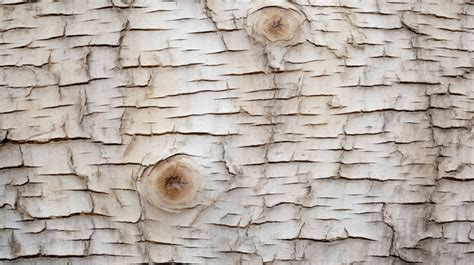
<point>311,131</point>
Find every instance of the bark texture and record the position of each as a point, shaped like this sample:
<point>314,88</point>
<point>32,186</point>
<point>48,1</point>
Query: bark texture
<point>236,132</point>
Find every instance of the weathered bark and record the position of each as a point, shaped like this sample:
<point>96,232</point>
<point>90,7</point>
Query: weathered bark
<point>310,131</point>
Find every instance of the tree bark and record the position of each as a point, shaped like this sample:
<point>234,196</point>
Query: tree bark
<point>236,132</point>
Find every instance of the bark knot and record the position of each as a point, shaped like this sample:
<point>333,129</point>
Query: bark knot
<point>274,23</point>
<point>171,184</point>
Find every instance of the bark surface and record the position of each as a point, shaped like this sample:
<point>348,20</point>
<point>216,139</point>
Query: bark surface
<point>236,132</point>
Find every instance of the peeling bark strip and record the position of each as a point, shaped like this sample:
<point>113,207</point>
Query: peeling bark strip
<point>236,132</point>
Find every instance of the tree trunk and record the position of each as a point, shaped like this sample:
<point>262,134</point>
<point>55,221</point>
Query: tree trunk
<point>236,132</point>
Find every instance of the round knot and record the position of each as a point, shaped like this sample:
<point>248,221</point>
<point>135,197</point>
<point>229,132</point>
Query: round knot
<point>275,23</point>
<point>171,184</point>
